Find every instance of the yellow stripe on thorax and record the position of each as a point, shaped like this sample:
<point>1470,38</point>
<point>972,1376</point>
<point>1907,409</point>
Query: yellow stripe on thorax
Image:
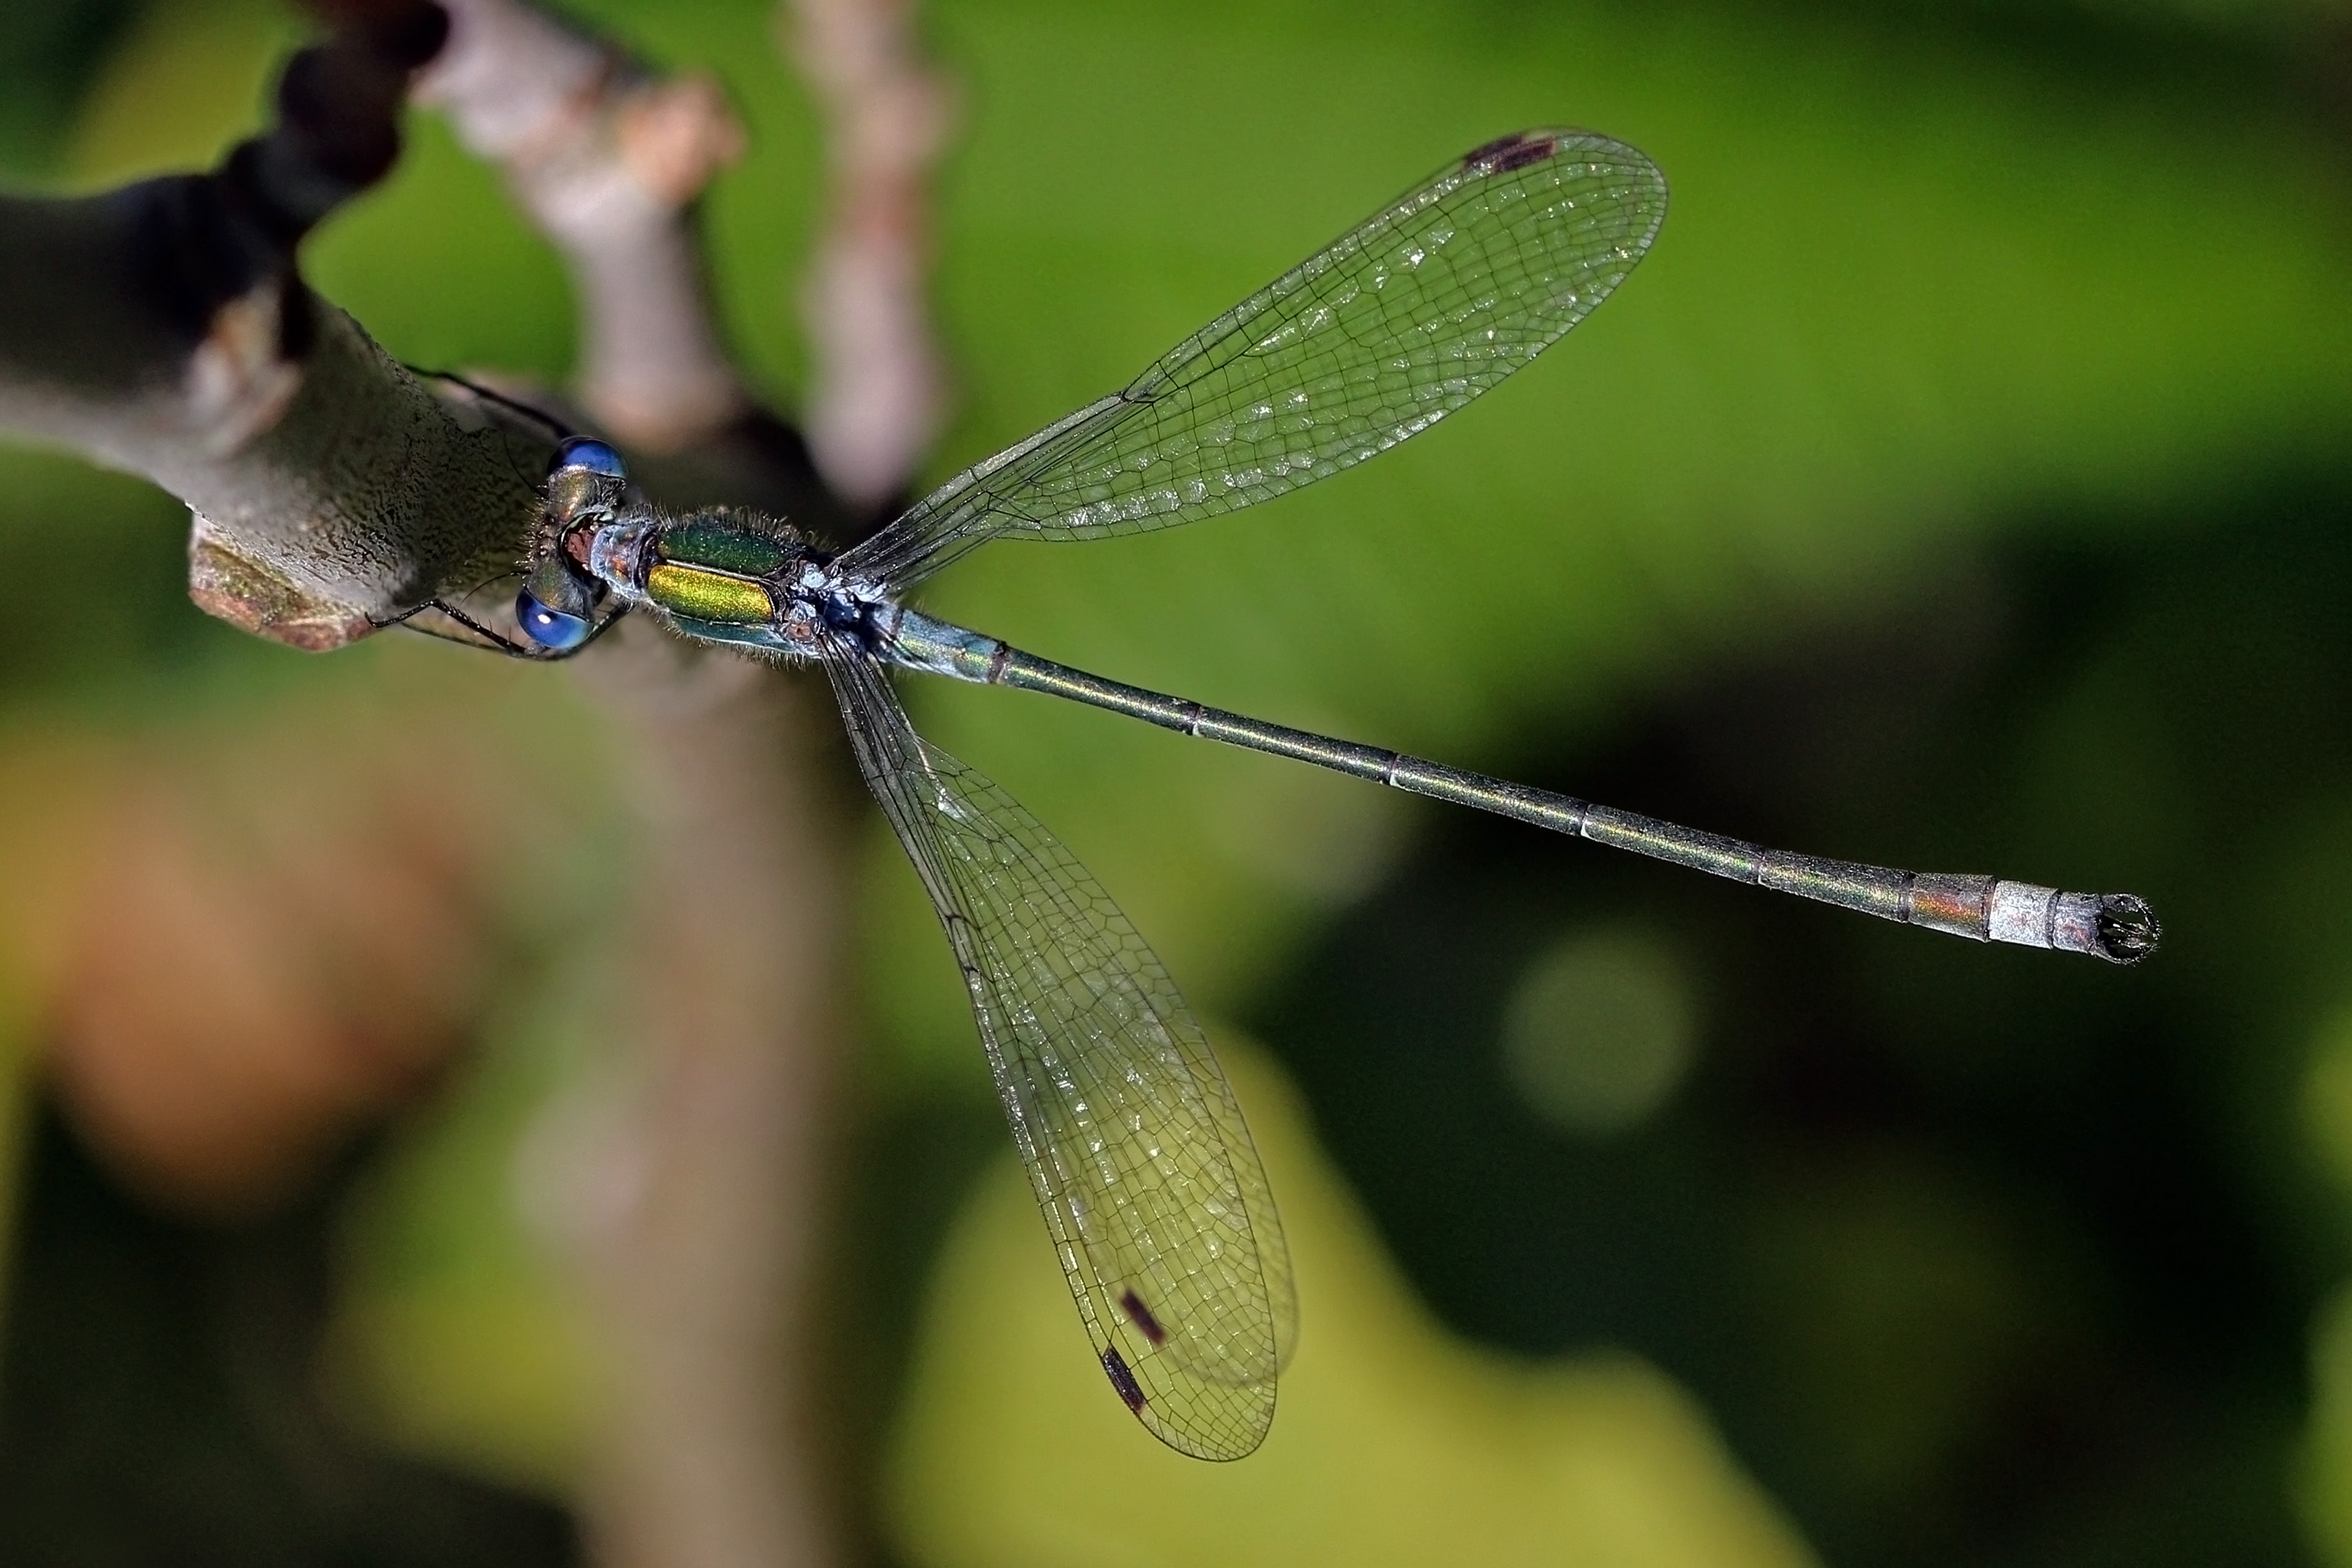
<point>708,595</point>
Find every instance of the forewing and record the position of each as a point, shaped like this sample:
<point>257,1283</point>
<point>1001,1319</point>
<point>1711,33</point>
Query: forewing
<point>1418,309</point>
<point>1159,1208</point>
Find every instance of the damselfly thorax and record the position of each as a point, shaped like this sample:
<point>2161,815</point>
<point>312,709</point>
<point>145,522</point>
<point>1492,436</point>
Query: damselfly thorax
<point>721,575</point>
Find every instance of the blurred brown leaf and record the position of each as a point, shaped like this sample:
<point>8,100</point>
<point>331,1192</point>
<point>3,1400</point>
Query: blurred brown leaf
<point>282,933</point>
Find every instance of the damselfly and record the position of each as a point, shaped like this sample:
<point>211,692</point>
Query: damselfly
<point>1158,1205</point>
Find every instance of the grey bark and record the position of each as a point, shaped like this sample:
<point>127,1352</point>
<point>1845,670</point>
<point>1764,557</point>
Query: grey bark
<point>163,330</point>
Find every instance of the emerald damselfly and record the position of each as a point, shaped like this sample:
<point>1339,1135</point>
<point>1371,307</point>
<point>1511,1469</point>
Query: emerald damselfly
<point>1157,1205</point>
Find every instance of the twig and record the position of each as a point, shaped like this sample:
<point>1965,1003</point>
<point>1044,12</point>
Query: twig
<point>604,157</point>
<point>690,1193</point>
<point>879,390</point>
<point>714,1131</point>
<point>163,328</point>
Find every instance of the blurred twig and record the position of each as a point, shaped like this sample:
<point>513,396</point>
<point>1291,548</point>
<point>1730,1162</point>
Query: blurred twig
<point>879,390</point>
<point>689,1207</point>
<point>696,1198</point>
<point>165,328</point>
<point>688,1189</point>
<point>604,157</point>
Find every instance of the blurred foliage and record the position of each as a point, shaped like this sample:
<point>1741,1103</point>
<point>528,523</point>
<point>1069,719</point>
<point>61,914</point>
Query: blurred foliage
<point>50,50</point>
<point>162,1408</point>
<point>457,1338</point>
<point>1962,483</point>
<point>1972,1256</point>
<point>1396,1444</point>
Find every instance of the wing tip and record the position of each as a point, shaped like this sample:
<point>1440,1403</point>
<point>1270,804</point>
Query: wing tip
<point>1121,1378</point>
<point>1539,144</point>
<point>1507,154</point>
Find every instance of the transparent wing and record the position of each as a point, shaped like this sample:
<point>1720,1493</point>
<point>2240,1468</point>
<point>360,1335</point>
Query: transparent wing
<point>1151,1186</point>
<point>1422,307</point>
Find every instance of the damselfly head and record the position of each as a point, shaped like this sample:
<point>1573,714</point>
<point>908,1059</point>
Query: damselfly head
<point>585,480</point>
<point>556,608</point>
<point>587,453</point>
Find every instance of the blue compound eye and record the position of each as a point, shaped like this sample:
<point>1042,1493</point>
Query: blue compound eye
<point>587,452</point>
<point>551,629</point>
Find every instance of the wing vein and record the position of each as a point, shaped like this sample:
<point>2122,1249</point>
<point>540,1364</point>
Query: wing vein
<point>1429,302</point>
<point>1151,1186</point>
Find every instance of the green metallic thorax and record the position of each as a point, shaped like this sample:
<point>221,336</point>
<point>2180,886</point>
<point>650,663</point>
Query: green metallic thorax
<point>708,570</point>
<point>723,544</point>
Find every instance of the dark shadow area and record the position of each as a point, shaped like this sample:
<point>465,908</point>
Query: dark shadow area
<point>1980,1255</point>
<point>49,52</point>
<point>158,1401</point>
<point>910,1170</point>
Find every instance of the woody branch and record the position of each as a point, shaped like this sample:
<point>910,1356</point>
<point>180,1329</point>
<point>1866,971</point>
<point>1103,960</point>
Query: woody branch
<point>164,329</point>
